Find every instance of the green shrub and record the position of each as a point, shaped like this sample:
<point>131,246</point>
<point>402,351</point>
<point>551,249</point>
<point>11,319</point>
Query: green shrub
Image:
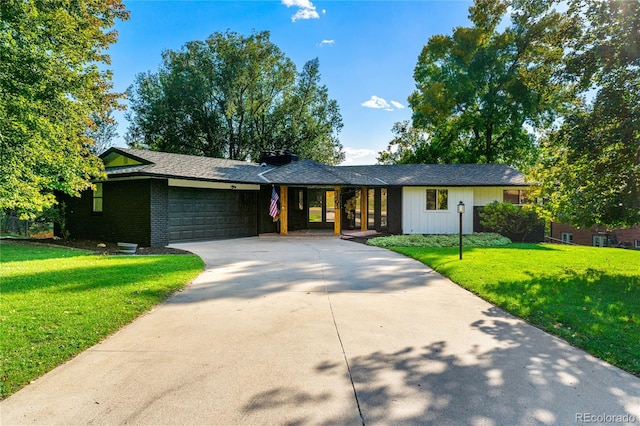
<point>452,240</point>
<point>509,219</point>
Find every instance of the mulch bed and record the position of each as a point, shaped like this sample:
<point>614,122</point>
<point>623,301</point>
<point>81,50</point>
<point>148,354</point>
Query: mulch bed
<point>98,247</point>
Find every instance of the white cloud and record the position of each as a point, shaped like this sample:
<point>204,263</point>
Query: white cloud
<point>327,43</point>
<point>306,9</point>
<point>376,102</point>
<point>359,156</point>
<point>397,104</point>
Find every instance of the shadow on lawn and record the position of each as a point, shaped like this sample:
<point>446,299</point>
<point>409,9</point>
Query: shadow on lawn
<point>101,274</point>
<point>523,380</point>
<point>595,310</point>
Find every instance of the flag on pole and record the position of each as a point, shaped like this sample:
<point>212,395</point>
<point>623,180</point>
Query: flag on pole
<point>273,208</point>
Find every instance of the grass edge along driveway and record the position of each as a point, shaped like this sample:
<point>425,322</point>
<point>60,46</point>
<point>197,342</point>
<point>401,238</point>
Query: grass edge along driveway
<point>588,296</point>
<point>57,302</point>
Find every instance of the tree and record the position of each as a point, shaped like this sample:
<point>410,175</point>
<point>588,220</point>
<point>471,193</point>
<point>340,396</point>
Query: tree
<point>102,131</point>
<point>482,92</point>
<point>234,96</point>
<point>590,169</point>
<point>50,84</point>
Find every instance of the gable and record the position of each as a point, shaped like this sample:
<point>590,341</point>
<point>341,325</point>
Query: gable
<point>117,159</point>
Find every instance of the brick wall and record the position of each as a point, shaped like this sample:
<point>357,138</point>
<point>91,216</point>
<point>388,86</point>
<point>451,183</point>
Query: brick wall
<point>125,216</point>
<point>584,236</point>
<point>159,199</point>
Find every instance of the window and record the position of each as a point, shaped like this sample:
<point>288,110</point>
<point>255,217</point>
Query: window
<point>97,198</point>
<point>383,207</point>
<point>437,199</point>
<point>300,195</point>
<point>514,196</point>
<point>567,238</point>
<point>599,241</point>
<point>636,243</point>
<point>371,212</point>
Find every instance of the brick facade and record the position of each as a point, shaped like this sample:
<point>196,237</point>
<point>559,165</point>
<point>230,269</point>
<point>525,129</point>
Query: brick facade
<point>615,237</point>
<point>125,216</point>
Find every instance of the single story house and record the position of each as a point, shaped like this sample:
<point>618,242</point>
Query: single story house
<point>155,198</point>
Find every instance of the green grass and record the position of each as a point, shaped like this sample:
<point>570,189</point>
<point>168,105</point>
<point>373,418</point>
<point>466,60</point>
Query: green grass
<point>56,302</point>
<point>588,296</point>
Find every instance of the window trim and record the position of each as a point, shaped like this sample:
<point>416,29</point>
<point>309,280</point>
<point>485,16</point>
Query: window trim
<point>437,200</point>
<point>97,194</point>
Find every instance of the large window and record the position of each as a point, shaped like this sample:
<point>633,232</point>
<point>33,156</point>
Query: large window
<point>437,199</point>
<point>97,198</point>
<point>567,238</point>
<point>514,196</point>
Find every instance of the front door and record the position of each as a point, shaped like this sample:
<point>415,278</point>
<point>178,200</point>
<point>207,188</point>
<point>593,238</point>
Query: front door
<point>321,211</point>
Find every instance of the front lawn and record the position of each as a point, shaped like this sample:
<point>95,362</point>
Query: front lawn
<point>588,296</point>
<point>57,302</point>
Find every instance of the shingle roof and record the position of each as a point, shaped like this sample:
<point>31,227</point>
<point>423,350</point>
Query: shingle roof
<point>308,172</point>
<point>186,166</point>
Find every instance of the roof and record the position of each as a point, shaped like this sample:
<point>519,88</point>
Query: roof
<point>308,172</point>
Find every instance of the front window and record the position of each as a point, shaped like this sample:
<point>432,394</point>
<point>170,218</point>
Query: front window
<point>567,238</point>
<point>437,199</point>
<point>514,196</point>
<point>97,198</point>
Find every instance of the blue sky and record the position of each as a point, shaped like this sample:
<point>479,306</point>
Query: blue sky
<point>367,50</point>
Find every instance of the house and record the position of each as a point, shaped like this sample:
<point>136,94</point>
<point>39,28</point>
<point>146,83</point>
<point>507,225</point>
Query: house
<point>155,198</point>
<point>597,236</point>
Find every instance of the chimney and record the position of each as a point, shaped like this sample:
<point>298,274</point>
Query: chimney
<point>277,158</point>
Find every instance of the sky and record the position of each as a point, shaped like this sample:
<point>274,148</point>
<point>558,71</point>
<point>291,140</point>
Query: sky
<point>367,50</point>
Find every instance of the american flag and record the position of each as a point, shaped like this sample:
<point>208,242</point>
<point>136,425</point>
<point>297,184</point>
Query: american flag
<point>273,208</point>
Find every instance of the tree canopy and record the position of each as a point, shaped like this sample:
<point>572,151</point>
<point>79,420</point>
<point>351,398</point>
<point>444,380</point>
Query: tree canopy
<point>50,85</point>
<point>590,169</point>
<point>483,91</point>
<point>234,96</point>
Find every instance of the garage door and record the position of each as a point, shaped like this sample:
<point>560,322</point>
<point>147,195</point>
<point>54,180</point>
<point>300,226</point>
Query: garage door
<point>197,214</point>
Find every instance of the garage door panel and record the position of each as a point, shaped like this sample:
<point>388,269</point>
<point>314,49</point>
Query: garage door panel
<point>205,214</point>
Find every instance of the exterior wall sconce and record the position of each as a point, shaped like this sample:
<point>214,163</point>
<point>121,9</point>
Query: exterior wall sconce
<point>460,212</point>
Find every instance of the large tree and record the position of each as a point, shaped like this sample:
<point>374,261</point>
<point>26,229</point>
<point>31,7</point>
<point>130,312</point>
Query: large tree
<point>483,91</point>
<point>234,96</point>
<point>50,85</point>
<point>590,171</point>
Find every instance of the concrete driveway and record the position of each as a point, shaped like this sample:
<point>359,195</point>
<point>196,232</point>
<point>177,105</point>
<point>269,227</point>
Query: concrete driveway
<point>323,331</point>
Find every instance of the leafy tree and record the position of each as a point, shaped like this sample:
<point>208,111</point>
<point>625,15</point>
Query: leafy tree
<point>102,131</point>
<point>234,96</point>
<point>482,91</point>
<point>590,170</point>
<point>50,84</point>
<point>508,219</point>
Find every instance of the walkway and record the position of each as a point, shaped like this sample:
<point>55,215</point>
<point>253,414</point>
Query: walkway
<point>324,331</point>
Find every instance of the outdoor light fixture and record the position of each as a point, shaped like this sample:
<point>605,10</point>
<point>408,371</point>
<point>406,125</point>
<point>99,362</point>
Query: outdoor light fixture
<point>460,211</point>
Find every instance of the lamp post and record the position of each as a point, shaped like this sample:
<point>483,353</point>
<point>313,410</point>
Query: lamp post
<point>460,212</point>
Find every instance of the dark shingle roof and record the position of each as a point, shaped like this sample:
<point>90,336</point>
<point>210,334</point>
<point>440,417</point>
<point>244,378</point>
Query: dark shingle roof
<point>308,172</point>
<point>187,167</point>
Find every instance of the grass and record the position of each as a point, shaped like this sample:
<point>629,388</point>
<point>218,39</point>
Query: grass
<point>588,296</point>
<point>57,302</point>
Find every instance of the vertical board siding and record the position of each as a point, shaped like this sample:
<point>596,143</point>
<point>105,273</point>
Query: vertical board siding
<point>416,219</point>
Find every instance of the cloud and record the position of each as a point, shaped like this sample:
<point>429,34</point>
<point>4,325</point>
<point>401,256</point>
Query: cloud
<point>326,43</point>
<point>377,102</point>
<point>306,9</point>
<point>359,156</point>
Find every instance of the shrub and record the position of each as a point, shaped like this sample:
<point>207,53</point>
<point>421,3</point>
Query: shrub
<point>507,218</point>
<point>452,240</point>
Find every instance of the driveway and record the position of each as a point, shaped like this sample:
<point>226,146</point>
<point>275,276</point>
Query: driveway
<point>324,331</point>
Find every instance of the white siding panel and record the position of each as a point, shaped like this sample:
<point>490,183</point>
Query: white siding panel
<point>416,219</point>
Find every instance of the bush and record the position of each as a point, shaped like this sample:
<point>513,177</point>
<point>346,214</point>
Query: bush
<point>452,240</point>
<point>507,218</point>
